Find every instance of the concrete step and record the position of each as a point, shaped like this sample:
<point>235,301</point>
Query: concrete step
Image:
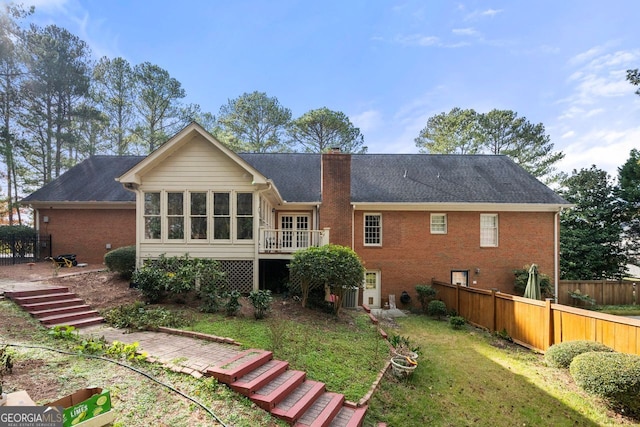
<point>298,401</point>
<point>34,299</point>
<point>60,310</point>
<point>349,417</point>
<point>35,292</point>
<point>259,377</point>
<point>80,323</point>
<point>65,318</point>
<point>278,389</point>
<point>240,365</point>
<point>38,306</point>
<point>323,411</point>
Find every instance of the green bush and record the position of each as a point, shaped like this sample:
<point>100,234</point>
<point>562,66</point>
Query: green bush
<point>8,232</point>
<point>122,261</point>
<point>437,308</point>
<point>457,322</point>
<point>560,355</point>
<point>612,376</point>
<point>261,302</point>
<point>426,293</point>
<point>151,282</point>
<point>232,305</point>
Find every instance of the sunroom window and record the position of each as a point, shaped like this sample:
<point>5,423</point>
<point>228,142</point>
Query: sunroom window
<point>152,222</point>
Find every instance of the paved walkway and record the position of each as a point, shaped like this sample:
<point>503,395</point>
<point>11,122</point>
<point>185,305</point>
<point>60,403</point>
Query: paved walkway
<point>182,354</point>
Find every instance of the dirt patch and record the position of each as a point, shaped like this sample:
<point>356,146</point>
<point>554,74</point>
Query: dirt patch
<point>28,375</point>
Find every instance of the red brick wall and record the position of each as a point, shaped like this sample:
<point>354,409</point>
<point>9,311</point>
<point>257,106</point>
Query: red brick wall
<point>410,254</point>
<point>86,232</point>
<point>335,211</point>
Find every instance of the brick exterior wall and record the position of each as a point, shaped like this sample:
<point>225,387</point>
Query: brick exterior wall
<point>335,211</point>
<point>410,254</point>
<point>86,232</point>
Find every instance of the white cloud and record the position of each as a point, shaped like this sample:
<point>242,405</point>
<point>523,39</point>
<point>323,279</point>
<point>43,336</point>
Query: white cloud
<point>417,40</point>
<point>46,5</point>
<point>568,134</point>
<point>465,31</point>
<point>479,14</point>
<point>367,121</point>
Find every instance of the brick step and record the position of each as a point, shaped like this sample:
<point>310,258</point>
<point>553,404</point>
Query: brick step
<point>65,318</point>
<point>278,389</point>
<point>43,298</point>
<point>230,370</point>
<point>323,411</point>
<point>52,304</point>
<point>298,401</point>
<point>60,310</point>
<point>80,323</point>
<point>349,417</point>
<point>259,377</point>
<point>35,292</point>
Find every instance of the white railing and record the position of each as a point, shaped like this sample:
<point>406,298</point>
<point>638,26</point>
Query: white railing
<point>289,241</point>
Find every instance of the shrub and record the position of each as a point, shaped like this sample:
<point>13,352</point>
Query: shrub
<point>457,322</point>
<point>9,232</point>
<point>232,305</point>
<point>122,261</point>
<point>151,282</point>
<point>560,355</point>
<point>437,308</point>
<point>261,302</point>
<point>426,293</point>
<point>612,376</point>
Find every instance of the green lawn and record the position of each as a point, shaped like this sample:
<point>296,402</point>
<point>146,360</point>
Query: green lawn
<point>469,377</point>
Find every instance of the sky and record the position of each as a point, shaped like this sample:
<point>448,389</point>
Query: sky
<point>390,65</point>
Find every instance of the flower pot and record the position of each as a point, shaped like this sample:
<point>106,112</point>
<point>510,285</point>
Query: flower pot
<point>410,354</point>
<point>403,367</point>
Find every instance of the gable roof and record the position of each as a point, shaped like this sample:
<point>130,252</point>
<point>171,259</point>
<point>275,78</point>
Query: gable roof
<point>93,180</point>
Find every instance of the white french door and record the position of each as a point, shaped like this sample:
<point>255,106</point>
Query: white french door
<point>295,231</point>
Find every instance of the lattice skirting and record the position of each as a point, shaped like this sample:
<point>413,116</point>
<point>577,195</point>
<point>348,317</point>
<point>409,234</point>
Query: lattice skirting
<point>239,275</point>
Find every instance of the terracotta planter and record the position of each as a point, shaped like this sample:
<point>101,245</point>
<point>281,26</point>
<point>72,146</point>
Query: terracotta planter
<point>402,367</point>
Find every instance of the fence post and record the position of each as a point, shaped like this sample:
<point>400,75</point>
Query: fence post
<point>493,308</point>
<point>458,299</point>
<point>548,325</point>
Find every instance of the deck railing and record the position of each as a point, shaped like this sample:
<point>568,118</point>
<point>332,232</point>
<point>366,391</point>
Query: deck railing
<point>289,241</point>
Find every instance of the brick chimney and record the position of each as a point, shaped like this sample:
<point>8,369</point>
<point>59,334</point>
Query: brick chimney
<point>335,210</point>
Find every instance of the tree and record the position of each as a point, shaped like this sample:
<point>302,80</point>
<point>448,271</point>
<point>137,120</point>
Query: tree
<point>157,103</point>
<point>335,266</point>
<point>633,77</point>
<point>12,73</point>
<point>455,132</point>
<point>496,132</point>
<point>503,132</point>
<point>59,72</point>
<point>254,122</point>
<point>590,244</point>
<point>319,130</point>
<point>113,90</point>
<point>629,193</point>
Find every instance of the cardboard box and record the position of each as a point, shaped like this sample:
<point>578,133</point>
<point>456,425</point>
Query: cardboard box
<point>19,398</point>
<point>83,405</point>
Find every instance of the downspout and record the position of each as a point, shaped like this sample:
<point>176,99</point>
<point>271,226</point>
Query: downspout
<point>353,227</point>
<point>556,252</point>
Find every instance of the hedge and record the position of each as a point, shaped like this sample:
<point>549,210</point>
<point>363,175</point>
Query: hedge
<point>561,355</point>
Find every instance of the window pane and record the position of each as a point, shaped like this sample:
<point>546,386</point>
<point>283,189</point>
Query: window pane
<point>488,230</point>
<point>152,227</point>
<point>199,228</point>
<point>152,203</point>
<point>221,228</point>
<point>245,202</point>
<point>174,202</point>
<point>221,204</point>
<point>438,223</point>
<point>372,229</point>
<point>245,228</point>
<point>176,227</point>
<point>198,203</point>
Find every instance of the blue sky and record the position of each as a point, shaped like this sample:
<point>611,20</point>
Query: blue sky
<point>390,65</point>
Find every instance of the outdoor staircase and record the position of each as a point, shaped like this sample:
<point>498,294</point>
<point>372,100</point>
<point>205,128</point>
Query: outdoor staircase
<point>286,393</point>
<point>55,306</point>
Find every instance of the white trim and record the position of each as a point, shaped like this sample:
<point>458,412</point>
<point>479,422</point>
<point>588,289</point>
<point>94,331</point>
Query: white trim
<point>439,214</point>
<point>461,207</point>
<point>364,229</point>
<point>497,230</point>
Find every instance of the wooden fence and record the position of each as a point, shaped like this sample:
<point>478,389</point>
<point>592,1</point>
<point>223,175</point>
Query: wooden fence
<point>539,324</point>
<point>605,292</point>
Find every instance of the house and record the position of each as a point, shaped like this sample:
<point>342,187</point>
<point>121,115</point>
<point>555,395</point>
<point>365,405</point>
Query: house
<point>468,219</point>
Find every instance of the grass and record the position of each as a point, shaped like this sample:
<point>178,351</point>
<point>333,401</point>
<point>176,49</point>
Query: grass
<point>470,377</point>
<point>347,358</point>
<point>619,310</point>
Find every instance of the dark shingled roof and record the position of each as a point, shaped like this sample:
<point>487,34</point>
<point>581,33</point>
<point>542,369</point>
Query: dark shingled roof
<point>295,175</point>
<point>92,180</point>
<point>375,178</point>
